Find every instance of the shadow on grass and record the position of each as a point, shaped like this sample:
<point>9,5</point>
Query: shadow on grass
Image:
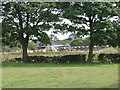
<point>13,64</point>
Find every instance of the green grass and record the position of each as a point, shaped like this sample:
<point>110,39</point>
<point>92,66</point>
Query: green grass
<point>26,75</point>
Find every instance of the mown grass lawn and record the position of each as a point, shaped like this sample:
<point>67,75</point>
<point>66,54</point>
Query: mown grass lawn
<point>22,75</point>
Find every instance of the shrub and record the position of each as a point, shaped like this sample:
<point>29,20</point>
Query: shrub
<point>56,59</point>
<point>109,58</point>
<point>73,59</point>
<point>79,58</point>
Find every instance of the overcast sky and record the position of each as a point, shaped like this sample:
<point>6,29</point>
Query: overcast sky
<point>59,35</point>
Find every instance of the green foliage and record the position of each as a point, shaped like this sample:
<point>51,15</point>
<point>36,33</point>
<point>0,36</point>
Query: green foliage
<point>86,41</point>
<point>65,42</point>
<point>109,58</point>
<point>76,42</point>
<point>32,46</point>
<point>30,18</point>
<point>80,58</point>
<point>77,58</point>
<point>93,19</point>
<point>74,36</point>
<point>96,17</point>
<point>53,37</point>
<point>73,59</point>
<point>9,36</point>
<point>114,38</point>
<point>57,59</point>
<point>6,49</point>
<point>23,20</point>
<point>6,57</point>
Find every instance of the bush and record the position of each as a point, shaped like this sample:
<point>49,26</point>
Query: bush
<point>73,59</point>
<point>56,59</point>
<point>79,58</point>
<point>109,58</point>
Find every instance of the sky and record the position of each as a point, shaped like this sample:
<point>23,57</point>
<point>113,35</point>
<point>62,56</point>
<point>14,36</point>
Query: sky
<point>59,35</point>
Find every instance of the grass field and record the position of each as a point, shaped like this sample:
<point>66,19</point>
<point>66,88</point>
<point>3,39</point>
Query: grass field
<point>22,75</point>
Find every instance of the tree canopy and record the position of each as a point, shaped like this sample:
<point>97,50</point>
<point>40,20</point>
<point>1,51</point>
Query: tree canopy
<point>95,19</point>
<point>23,20</point>
<point>53,37</point>
<point>98,20</point>
<point>76,42</point>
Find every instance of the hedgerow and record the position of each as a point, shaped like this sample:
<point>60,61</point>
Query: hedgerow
<point>78,58</point>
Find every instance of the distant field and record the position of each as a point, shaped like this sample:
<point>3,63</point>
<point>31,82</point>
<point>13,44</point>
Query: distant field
<point>22,75</point>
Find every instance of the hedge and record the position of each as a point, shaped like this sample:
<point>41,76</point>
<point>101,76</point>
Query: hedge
<point>81,58</point>
<point>56,59</point>
<point>109,58</point>
<point>73,59</point>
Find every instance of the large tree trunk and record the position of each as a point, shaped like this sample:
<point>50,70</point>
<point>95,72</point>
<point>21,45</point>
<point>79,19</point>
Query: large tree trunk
<point>91,46</point>
<point>24,43</point>
<point>23,40</point>
<point>90,55</point>
<point>25,54</point>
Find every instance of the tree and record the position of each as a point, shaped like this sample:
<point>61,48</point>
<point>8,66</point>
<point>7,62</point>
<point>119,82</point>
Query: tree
<point>53,37</point>
<point>118,34</point>
<point>115,41</point>
<point>65,41</point>
<point>32,45</point>
<point>76,42</point>
<point>86,41</point>
<point>74,36</point>
<point>25,19</point>
<point>92,19</point>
